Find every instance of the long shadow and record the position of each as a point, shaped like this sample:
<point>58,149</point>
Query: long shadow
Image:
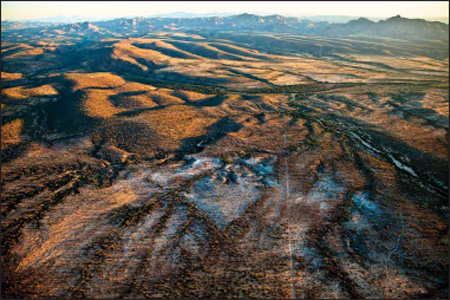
<point>369,63</point>
<point>135,112</point>
<point>215,132</point>
<point>430,116</point>
<point>12,51</point>
<point>166,51</point>
<point>115,99</point>
<point>350,104</point>
<point>211,101</point>
<point>250,76</point>
<point>175,84</point>
<point>179,78</point>
<point>14,82</point>
<point>200,50</point>
<point>62,116</point>
<point>232,50</point>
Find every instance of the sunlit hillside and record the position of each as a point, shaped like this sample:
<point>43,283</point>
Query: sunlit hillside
<point>225,157</point>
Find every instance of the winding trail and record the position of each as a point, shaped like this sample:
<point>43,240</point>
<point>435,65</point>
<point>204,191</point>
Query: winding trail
<point>291,261</point>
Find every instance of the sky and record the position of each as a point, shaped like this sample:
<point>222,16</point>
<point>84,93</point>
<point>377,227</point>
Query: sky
<point>114,9</point>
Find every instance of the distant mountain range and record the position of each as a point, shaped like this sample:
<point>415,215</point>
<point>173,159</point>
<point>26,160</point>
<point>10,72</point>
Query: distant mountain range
<point>396,27</point>
<point>190,15</point>
<point>82,18</point>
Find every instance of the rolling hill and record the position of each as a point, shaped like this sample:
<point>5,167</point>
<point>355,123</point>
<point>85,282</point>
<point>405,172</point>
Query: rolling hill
<point>238,156</point>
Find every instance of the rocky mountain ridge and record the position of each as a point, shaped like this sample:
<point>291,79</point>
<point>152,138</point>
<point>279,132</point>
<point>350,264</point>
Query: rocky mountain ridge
<point>395,27</point>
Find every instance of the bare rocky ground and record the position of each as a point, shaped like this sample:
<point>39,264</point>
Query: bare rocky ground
<point>113,187</point>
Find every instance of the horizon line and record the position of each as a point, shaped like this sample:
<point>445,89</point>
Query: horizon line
<point>221,14</point>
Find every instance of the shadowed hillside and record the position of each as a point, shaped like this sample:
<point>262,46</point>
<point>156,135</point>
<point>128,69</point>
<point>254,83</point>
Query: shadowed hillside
<point>225,157</point>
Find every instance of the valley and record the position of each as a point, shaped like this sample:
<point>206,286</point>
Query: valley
<point>173,158</point>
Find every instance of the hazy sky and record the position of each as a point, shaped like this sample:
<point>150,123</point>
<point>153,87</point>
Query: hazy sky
<point>32,10</point>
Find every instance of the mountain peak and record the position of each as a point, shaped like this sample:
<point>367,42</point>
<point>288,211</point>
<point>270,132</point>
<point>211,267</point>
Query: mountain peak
<point>85,25</point>
<point>361,21</point>
<point>396,18</point>
<point>246,16</point>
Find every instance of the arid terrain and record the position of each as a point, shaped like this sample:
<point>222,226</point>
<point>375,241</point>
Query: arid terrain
<point>172,158</point>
